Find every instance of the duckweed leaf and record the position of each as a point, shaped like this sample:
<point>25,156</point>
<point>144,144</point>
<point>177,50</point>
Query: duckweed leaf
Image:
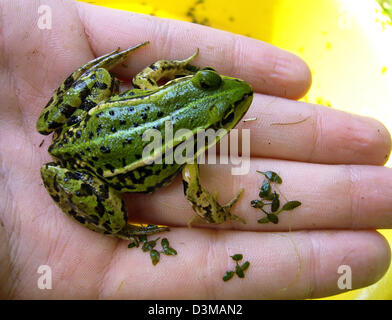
<point>258,204</point>
<point>265,189</point>
<point>239,271</point>
<point>155,256</point>
<point>263,220</point>
<point>133,243</point>
<point>165,243</point>
<point>291,205</point>
<point>275,203</point>
<point>269,197</point>
<point>228,275</point>
<point>143,238</point>
<point>148,245</point>
<point>273,218</point>
<point>271,176</point>
<point>169,251</point>
<point>245,266</point>
<point>237,257</point>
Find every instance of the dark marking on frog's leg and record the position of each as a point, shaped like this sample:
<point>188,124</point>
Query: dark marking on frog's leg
<point>185,185</point>
<point>110,167</point>
<point>204,204</point>
<point>80,96</point>
<point>149,77</point>
<point>90,201</point>
<point>115,86</point>
<point>100,85</point>
<point>144,180</point>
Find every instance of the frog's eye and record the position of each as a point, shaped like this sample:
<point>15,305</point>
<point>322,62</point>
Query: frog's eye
<point>207,79</point>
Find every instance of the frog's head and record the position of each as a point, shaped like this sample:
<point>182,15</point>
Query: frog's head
<point>226,99</point>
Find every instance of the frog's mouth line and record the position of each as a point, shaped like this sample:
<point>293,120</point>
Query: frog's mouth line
<point>234,116</point>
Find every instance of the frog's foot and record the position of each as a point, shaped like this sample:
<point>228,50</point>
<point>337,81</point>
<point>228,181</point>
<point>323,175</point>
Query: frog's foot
<point>205,205</point>
<point>149,77</point>
<point>90,201</point>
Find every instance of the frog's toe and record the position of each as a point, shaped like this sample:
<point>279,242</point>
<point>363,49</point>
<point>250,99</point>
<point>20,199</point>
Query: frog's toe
<point>234,200</point>
<point>230,204</point>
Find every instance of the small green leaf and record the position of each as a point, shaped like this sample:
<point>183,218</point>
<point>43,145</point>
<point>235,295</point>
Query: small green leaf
<point>147,246</point>
<point>257,204</point>
<point>265,189</point>
<point>169,251</point>
<point>133,243</point>
<point>245,266</point>
<point>269,197</point>
<point>239,271</point>
<point>143,238</point>
<point>228,275</point>
<point>237,257</point>
<point>271,176</point>
<point>155,256</point>
<point>273,218</point>
<point>165,243</point>
<point>263,220</point>
<point>291,205</point>
<point>275,202</point>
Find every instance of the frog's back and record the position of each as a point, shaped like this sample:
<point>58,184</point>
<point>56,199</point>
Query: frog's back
<point>109,142</point>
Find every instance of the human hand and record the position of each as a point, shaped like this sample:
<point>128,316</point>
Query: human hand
<point>330,161</point>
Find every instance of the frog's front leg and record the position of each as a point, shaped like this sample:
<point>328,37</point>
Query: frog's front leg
<point>149,77</point>
<point>81,91</point>
<point>90,201</point>
<point>203,203</point>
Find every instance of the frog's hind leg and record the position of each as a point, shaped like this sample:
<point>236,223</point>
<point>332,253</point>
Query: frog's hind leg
<point>81,91</point>
<point>91,202</point>
<point>149,77</point>
<point>205,205</point>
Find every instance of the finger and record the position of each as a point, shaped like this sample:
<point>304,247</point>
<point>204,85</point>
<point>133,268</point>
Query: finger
<point>31,72</point>
<point>293,265</point>
<point>333,197</point>
<point>269,69</point>
<point>300,131</point>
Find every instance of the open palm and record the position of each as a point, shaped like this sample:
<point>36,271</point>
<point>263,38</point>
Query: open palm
<point>329,160</point>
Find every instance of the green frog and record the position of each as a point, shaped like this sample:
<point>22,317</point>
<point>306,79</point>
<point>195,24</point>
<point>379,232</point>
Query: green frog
<point>98,138</point>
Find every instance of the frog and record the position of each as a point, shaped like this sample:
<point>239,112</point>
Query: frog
<point>97,144</point>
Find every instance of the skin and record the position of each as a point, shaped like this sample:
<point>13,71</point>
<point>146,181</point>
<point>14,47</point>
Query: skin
<point>332,163</point>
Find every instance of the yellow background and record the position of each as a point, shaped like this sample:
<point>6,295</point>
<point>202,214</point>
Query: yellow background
<point>347,44</point>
